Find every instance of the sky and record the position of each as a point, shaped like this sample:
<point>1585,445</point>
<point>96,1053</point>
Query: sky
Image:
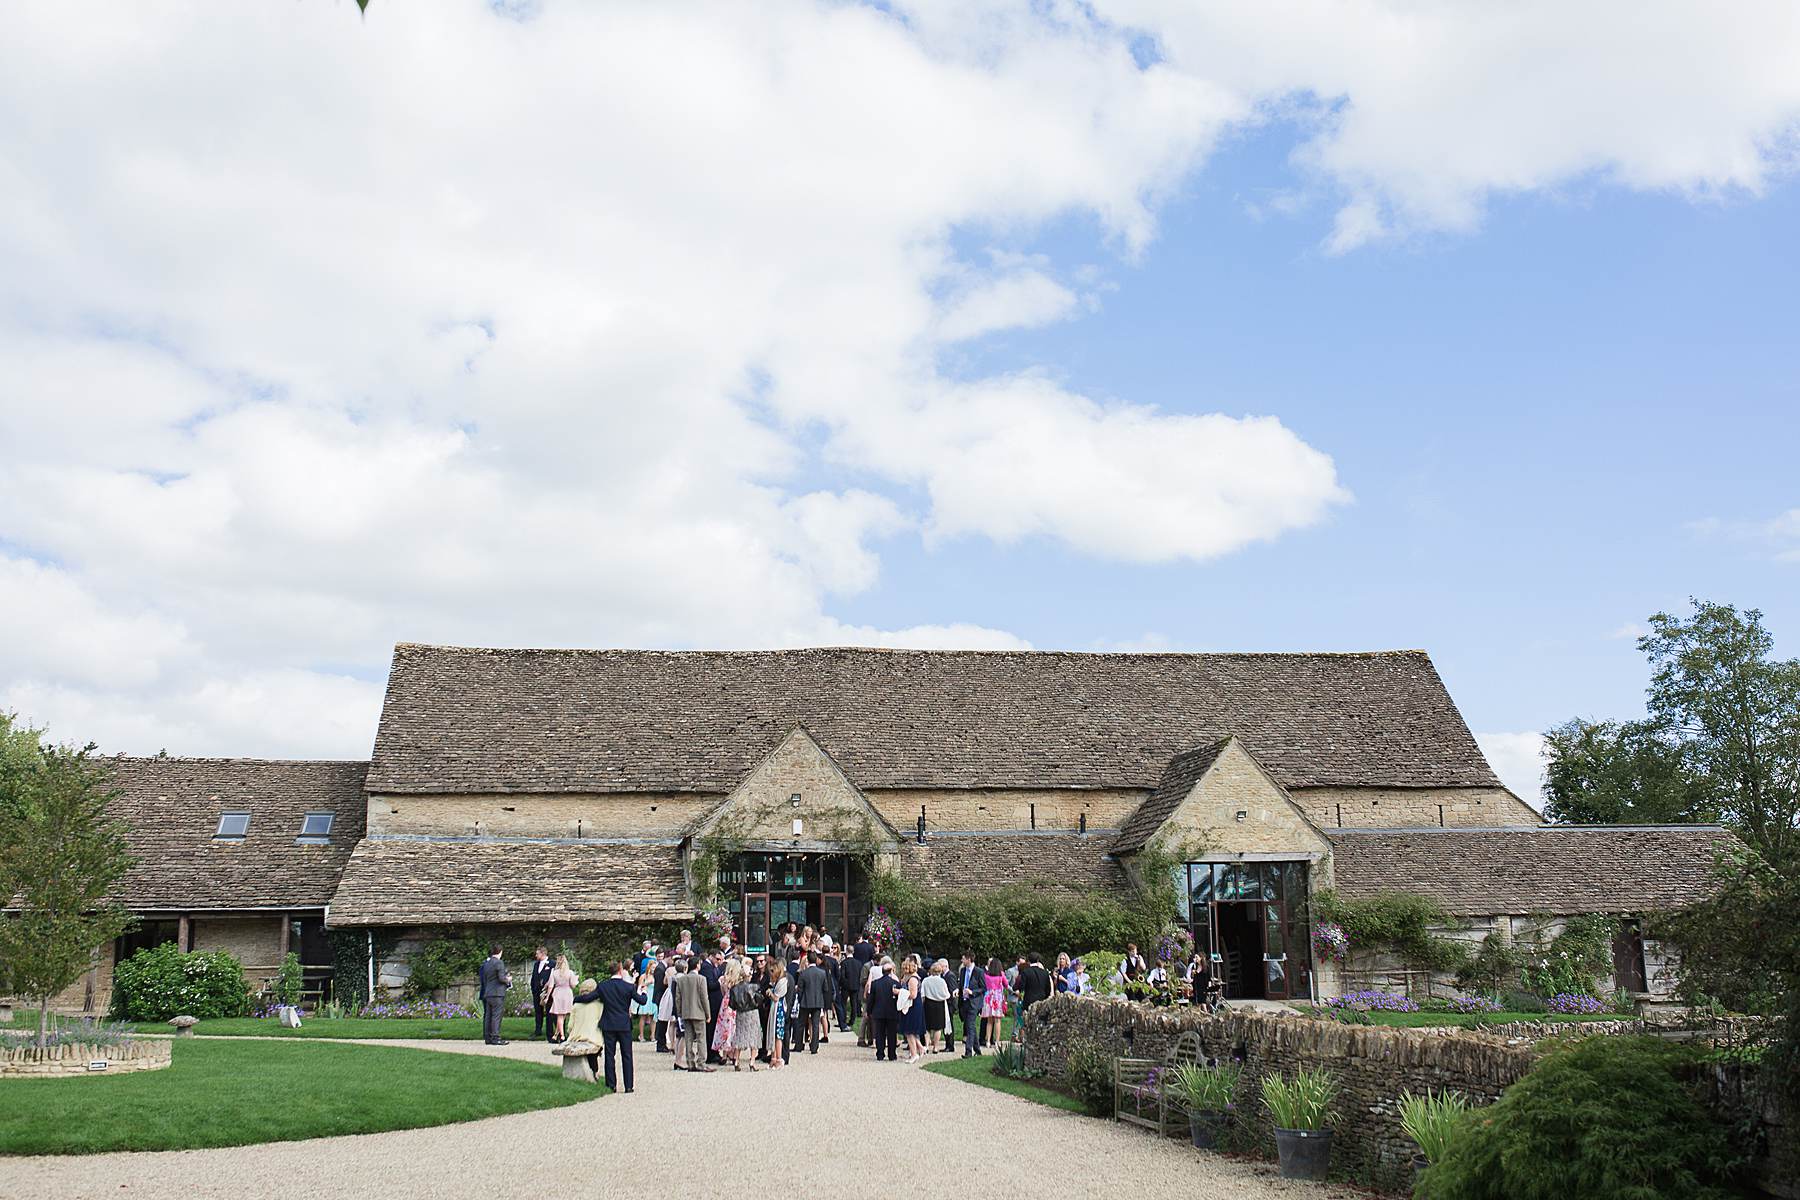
<point>1125,326</point>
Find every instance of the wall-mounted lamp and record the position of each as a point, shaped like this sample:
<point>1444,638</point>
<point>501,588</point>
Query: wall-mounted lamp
<point>798,826</point>
<point>1243,814</point>
<point>794,799</point>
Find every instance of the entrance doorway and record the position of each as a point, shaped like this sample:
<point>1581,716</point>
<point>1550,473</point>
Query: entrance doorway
<point>1240,945</point>
<point>765,891</point>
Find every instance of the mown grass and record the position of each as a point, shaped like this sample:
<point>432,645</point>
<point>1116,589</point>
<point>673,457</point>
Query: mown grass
<point>461,1029</point>
<point>1419,1020</point>
<point>234,1094</point>
<point>980,1071</point>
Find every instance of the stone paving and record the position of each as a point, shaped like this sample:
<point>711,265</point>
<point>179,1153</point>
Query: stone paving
<point>809,1130</point>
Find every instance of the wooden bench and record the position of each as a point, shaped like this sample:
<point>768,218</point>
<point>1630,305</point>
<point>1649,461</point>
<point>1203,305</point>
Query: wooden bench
<point>1140,1093</point>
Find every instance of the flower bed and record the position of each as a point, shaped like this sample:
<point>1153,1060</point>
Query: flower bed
<point>440,1010</point>
<point>1373,1001</point>
<point>1574,1002</point>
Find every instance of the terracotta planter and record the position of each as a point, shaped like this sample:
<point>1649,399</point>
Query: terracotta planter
<point>1304,1153</point>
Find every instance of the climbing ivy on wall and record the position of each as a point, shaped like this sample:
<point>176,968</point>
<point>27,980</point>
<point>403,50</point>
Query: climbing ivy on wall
<point>1398,921</point>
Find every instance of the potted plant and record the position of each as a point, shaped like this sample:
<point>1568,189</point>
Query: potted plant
<point>1298,1107</point>
<point>1208,1092</point>
<point>1428,1120</point>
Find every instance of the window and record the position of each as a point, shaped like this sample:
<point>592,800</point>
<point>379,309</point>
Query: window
<point>148,935</point>
<point>315,827</point>
<point>233,825</point>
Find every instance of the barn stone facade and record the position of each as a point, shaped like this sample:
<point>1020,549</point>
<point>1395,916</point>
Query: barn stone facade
<point>570,788</point>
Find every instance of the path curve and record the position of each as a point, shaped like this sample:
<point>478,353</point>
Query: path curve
<point>926,1134</point>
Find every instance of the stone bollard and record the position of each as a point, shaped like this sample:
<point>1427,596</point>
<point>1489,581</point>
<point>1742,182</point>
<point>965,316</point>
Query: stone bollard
<point>184,1025</point>
<point>575,1060</point>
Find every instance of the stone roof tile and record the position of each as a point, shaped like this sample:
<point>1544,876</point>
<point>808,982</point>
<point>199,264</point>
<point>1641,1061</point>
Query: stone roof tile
<point>479,720</point>
<point>985,861</point>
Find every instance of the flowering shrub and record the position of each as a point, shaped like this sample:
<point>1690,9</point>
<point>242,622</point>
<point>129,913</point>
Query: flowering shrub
<point>1174,945</point>
<point>162,982</point>
<point>441,1010</point>
<point>1474,1004</point>
<point>1374,1001</point>
<point>1574,1002</point>
<point>883,928</point>
<point>1330,942</point>
<point>715,923</point>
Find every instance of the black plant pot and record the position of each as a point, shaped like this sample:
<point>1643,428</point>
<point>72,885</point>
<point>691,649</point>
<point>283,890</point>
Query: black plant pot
<point>1304,1153</point>
<point>1419,1163</point>
<point>1206,1126</point>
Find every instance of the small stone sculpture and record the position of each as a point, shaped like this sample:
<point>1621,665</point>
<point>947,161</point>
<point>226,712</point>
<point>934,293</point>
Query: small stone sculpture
<point>575,1060</point>
<point>184,1025</point>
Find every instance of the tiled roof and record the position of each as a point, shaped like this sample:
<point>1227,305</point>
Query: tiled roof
<point>472,720</point>
<point>1532,869</point>
<point>173,804</point>
<point>1178,779</point>
<point>984,861</point>
<point>405,881</point>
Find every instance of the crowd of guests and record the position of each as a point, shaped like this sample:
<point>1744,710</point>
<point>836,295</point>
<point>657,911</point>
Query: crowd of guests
<point>719,1006</point>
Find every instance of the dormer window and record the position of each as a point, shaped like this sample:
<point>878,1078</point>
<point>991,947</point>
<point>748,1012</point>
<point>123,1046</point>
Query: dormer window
<point>233,826</point>
<point>315,827</point>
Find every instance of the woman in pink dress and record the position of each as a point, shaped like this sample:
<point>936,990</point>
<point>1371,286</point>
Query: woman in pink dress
<point>727,1028</point>
<point>993,1001</point>
<point>562,997</point>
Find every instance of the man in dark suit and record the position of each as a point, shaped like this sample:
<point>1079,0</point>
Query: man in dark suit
<point>617,995</point>
<point>661,978</point>
<point>541,1025</point>
<point>884,1013</point>
<point>834,973</point>
<point>864,950</point>
<point>1034,984</point>
<point>815,988</point>
<point>850,981</point>
<point>710,970</point>
<point>971,986</point>
<point>494,980</point>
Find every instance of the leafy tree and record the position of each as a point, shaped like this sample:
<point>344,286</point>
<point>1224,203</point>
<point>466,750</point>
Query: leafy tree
<point>60,855</point>
<point>1737,713</point>
<point>1622,773</point>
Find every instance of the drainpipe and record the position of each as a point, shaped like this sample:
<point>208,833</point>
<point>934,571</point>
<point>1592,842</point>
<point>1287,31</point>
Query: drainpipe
<point>371,966</point>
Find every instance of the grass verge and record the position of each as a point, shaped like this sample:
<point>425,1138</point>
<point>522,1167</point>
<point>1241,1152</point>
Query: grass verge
<point>226,1094</point>
<point>459,1029</point>
<point>980,1071</point>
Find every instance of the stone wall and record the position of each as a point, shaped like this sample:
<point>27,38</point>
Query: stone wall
<point>1209,815</point>
<point>617,814</point>
<point>1395,808</point>
<point>1373,1065</point>
<point>28,1062</point>
<point>253,941</point>
<point>997,809</point>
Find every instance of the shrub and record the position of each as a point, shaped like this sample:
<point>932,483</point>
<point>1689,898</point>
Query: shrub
<point>1428,1119</point>
<point>286,989</point>
<point>1602,1119</point>
<point>1522,1002</point>
<point>1302,1102</point>
<point>162,982</point>
<point>1103,971</point>
<point>1401,921</point>
<point>1088,1073</point>
<point>83,1031</point>
<point>1012,920</point>
<point>1474,1004</point>
<point>1009,1061</point>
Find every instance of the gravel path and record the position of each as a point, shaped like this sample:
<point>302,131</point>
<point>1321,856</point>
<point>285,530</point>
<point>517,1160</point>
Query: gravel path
<point>921,1132</point>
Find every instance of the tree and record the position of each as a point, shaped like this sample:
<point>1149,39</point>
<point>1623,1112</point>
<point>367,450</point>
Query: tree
<point>1736,713</point>
<point>60,856</point>
<point>1621,773</point>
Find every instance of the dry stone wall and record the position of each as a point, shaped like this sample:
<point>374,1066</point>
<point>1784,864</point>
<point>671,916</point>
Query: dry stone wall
<point>1373,1065</point>
<point>28,1062</point>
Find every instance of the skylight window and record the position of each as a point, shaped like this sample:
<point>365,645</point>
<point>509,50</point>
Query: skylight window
<point>316,826</point>
<point>233,825</point>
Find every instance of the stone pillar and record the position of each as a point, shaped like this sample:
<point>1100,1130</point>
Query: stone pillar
<point>283,918</point>
<point>184,934</point>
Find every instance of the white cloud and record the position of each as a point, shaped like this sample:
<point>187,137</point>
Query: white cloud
<point>1778,536</point>
<point>1629,631</point>
<point>626,325</point>
<point>1415,114</point>
<point>1518,758</point>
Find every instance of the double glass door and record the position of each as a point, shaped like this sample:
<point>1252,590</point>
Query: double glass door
<point>766,891</point>
<point>1250,920</point>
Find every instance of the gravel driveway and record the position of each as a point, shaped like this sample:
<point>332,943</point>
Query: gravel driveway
<point>679,1134</point>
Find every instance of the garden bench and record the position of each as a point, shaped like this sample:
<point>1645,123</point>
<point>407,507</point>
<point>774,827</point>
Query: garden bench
<point>1139,1094</point>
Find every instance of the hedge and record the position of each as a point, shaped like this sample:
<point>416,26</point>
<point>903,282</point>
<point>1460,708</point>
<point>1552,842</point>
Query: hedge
<point>162,982</point>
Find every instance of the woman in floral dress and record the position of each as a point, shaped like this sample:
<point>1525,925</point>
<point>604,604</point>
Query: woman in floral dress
<point>778,990</point>
<point>727,1027</point>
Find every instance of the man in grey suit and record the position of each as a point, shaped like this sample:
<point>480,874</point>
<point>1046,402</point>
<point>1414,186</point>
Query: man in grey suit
<point>814,987</point>
<point>495,979</point>
<point>694,1008</point>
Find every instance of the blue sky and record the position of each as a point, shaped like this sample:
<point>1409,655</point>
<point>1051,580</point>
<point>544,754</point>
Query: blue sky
<point>1251,325</point>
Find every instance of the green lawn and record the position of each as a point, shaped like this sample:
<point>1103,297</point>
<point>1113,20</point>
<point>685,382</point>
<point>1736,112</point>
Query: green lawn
<point>234,1094</point>
<point>980,1071</point>
<point>467,1029</point>
<point>1417,1020</point>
